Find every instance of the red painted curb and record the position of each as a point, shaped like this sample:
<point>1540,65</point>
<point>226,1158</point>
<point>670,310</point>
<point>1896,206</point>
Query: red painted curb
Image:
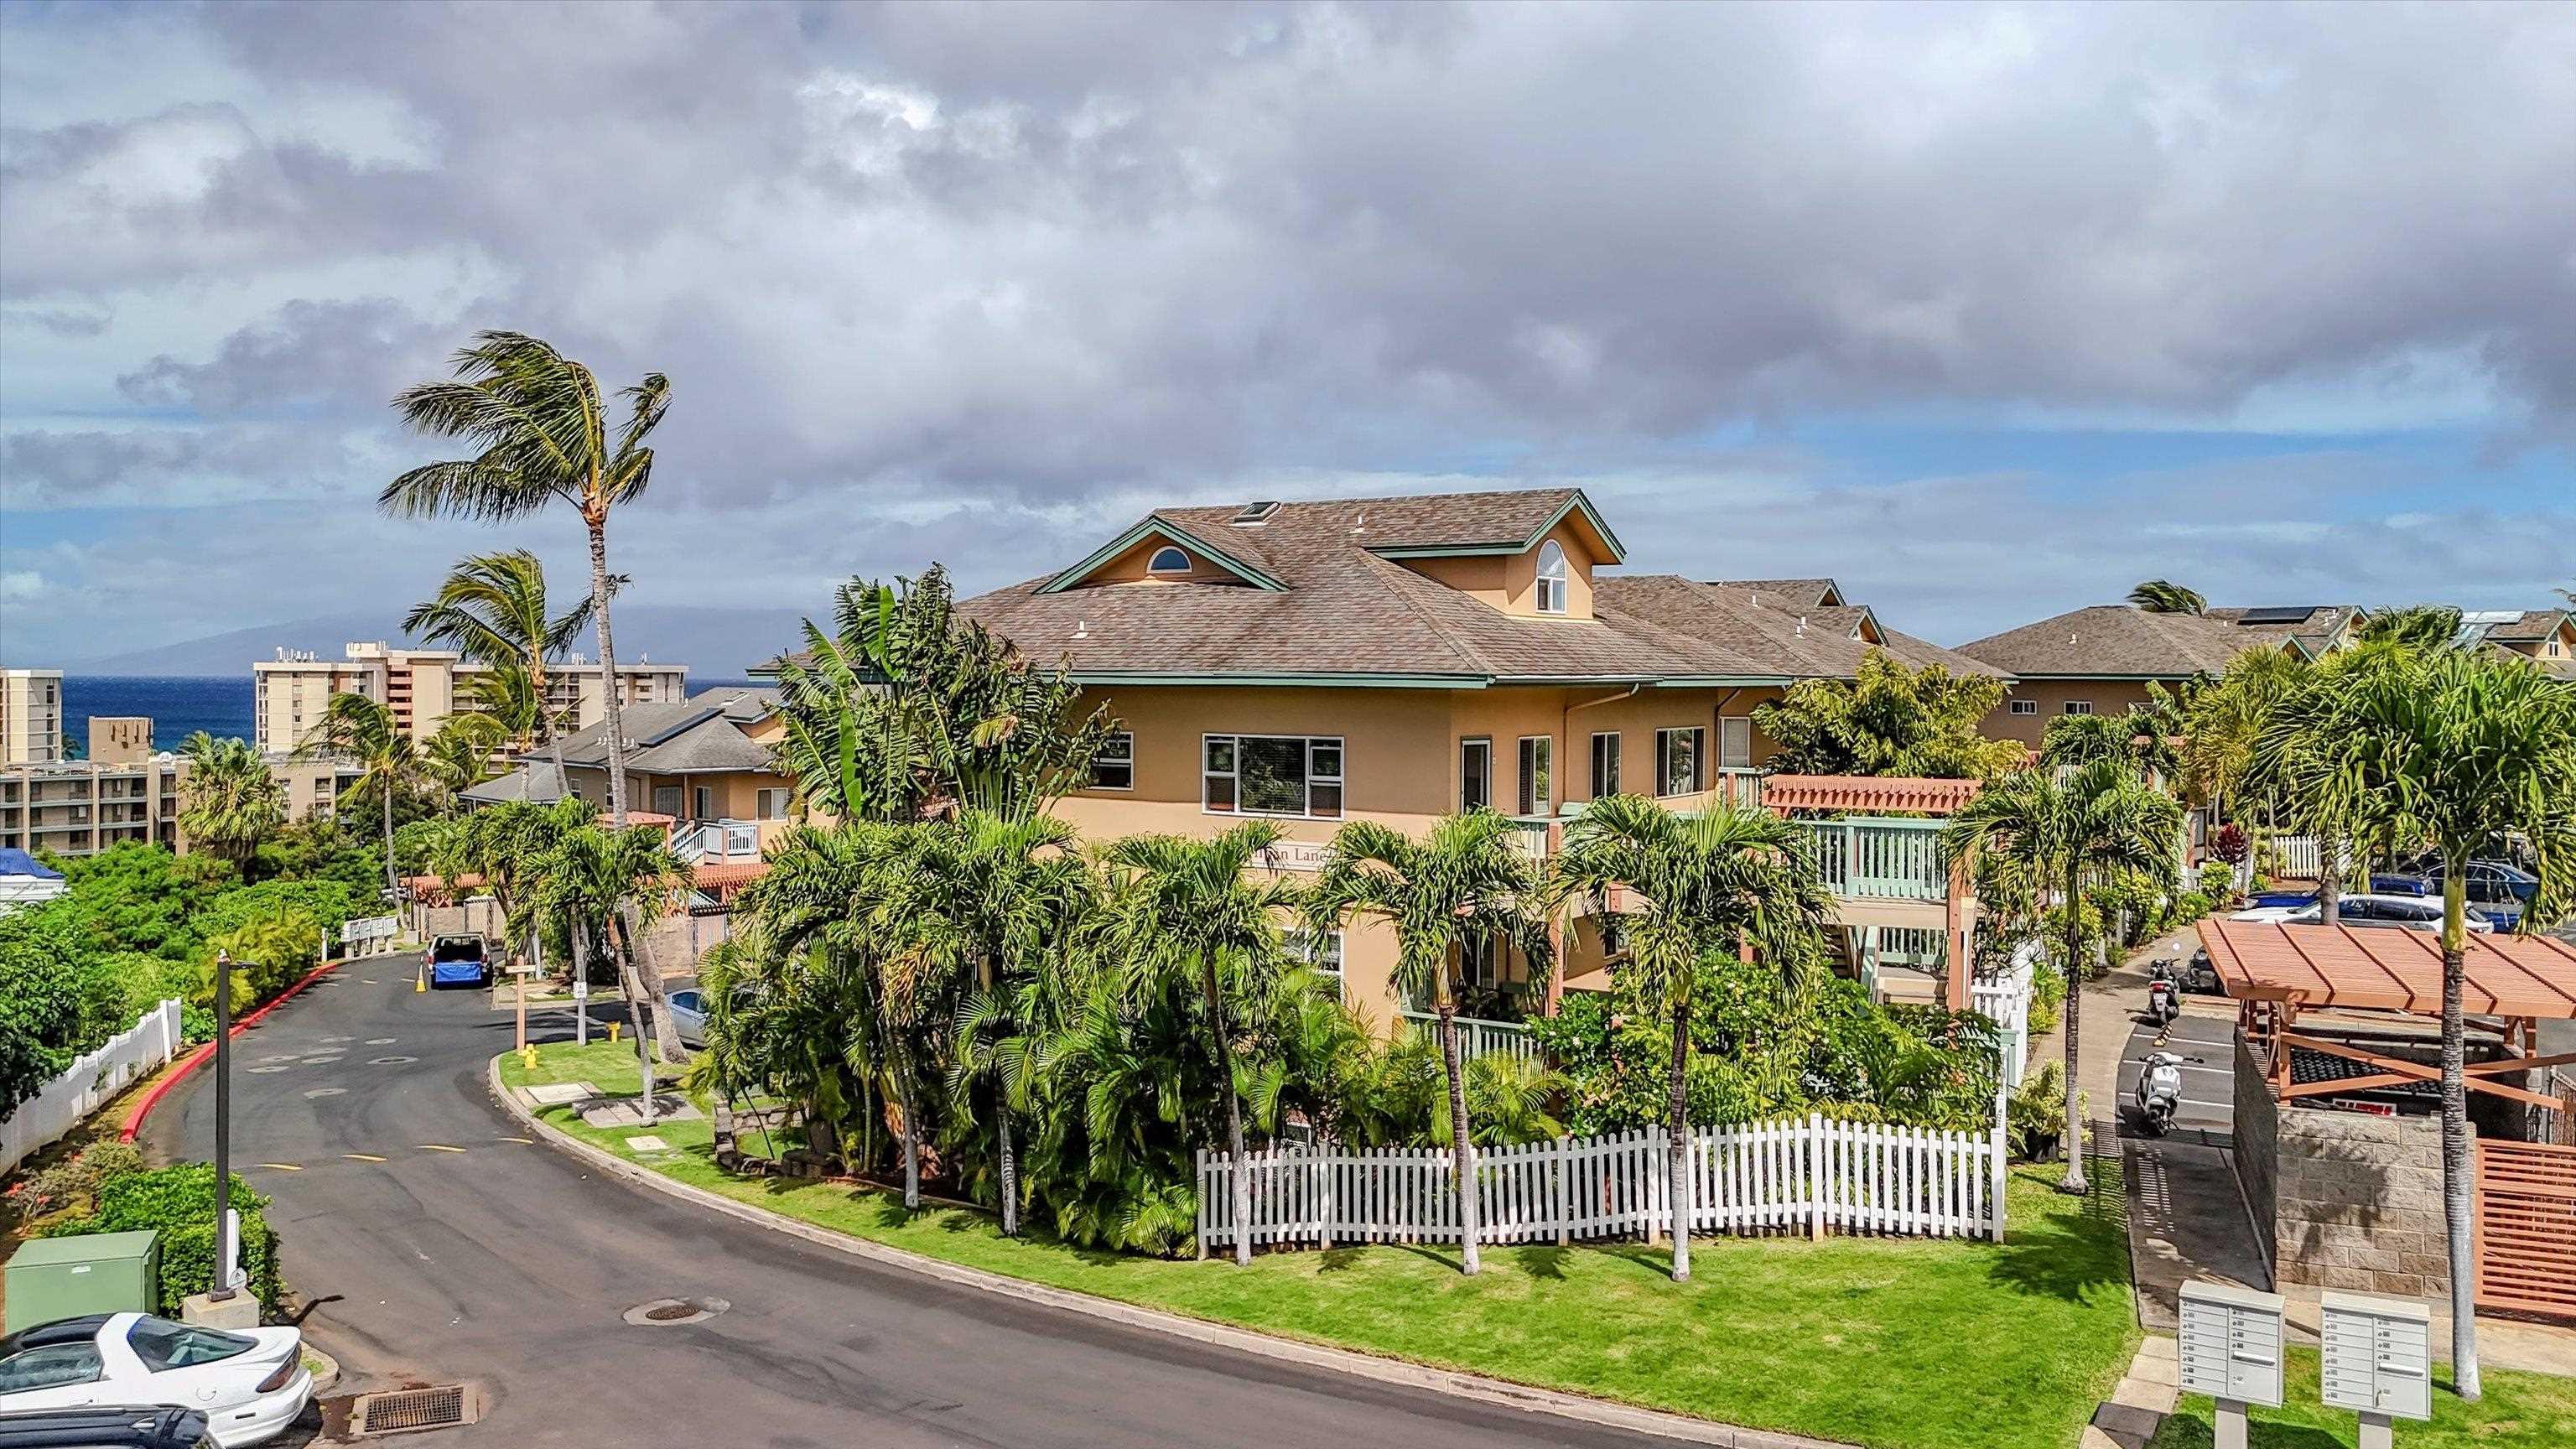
<point>188,1063</point>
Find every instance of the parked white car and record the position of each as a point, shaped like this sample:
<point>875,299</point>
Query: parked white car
<point>2413,913</point>
<point>249,1386</point>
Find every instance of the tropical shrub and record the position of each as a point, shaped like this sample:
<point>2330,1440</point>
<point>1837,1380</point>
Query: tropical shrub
<point>268,955</point>
<point>1889,720</point>
<point>45,1006</point>
<point>179,1203</point>
<point>73,1182</point>
<point>2034,1119</point>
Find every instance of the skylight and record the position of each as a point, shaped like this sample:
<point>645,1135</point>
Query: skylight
<point>1252,515</point>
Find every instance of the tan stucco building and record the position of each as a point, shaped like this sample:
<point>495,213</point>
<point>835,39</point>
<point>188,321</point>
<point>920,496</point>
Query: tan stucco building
<point>31,716</point>
<point>424,686</point>
<point>2101,660</point>
<point>82,807</point>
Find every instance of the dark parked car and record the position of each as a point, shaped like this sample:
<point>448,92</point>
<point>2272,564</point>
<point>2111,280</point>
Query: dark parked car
<point>459,961</point>
<point>136,1428</point>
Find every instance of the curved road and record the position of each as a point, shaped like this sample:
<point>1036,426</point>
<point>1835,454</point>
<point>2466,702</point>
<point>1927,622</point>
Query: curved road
<point>509,1266</point>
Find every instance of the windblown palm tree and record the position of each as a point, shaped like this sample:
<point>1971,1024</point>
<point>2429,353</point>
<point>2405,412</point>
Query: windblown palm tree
<point>2100,820</point>
<point>357,728</point>
<point>1187,911</point>
<point>2456,750</point>
<point>1468,884</point>
<point>2416,626</point>
<point>1701,886</point>
<point>230,801</point>
<point>2163,596</point>
<point>492,608</point>
<point>459,756</point>
<point>603,885</point>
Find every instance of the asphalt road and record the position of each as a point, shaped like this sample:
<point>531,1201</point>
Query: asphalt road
<point>2206,1044</point>
<point>463,1256</point>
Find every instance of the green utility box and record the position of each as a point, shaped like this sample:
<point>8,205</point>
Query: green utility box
<point>52,1278</point>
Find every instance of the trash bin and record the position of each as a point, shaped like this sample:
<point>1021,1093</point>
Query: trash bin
<point>52,1278</point>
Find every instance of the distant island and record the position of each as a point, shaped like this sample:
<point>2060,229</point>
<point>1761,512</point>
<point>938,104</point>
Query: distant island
<point>715,643</point>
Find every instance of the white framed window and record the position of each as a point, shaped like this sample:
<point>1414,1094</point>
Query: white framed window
<point>1320,953</point>
<point>2079,706</point>
<point>1679,761</point>
<point>2025,706</point>
<point>1535,796</point>
<point>1551,578</point>
<point>1605,764</point>
<point>771,803</point>
<point>1475,774</point>
<point>1735,742</point>
<point>1271,775</point>
<point>1114,768</point>
<point>1168,560</point>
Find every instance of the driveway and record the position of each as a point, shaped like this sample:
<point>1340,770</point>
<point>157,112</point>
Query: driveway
<point>445,1250</point>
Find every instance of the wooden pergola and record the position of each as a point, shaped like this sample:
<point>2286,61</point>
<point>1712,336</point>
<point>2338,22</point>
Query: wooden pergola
<point>1898,794</point>
<point>2275,972</point>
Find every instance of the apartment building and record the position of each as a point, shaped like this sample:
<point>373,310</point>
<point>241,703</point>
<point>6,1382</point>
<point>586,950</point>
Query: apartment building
<point>2100,660</point>
<point>1398,659</point>
<point>82,807</point>
<point>424,686</point>
<point>31,716</point>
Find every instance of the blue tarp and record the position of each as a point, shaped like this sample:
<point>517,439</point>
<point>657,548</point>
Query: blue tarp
<point>19,862</point>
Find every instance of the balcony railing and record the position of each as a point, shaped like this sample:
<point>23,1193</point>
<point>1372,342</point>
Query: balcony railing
<point>1477,1036</point>
<point>1878,857</point>
<point>1533,832</point>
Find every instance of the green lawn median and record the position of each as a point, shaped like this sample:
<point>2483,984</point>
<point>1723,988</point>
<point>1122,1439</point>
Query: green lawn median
<point>1889,1342</point>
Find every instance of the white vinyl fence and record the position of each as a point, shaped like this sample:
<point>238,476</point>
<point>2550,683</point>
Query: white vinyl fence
<point>2299,858</point>
<point>62,1104</point>
<point>2005,1001</point>
<point>1809,1176</point>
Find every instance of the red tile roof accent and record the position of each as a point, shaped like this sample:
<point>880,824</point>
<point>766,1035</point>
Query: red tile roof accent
<point>1867,792</point>
<point>722,878</point>
<point>2390,970</point>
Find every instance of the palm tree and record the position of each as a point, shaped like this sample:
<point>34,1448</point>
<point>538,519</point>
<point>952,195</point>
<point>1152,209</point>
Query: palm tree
<point>2415,626</point>
<point>459,755</point>
<point>2163,596</point>
<point>361,729</point>
<point>492,608</point>
<point>1469,883</point>
<point>2097,820</point>
<point>1700,886</point>
<point>1190,913</point>
<point>232,801</point>
<point>543,433</point>
<point>598,882</point>
<point>2455,749</point>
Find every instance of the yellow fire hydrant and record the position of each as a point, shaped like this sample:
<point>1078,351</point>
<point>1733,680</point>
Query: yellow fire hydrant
<point>528,1057</point>
<point>612,1031</point>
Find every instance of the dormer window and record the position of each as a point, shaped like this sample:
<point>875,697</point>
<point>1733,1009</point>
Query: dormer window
<point>1168,560</point>
<point>1551,578</point>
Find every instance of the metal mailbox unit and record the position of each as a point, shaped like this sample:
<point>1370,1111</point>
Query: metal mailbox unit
<point>2378,1361</point>
<point>2231,1351</point>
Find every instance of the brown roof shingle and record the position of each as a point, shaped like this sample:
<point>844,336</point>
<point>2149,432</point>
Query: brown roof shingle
<point>2110,640</point>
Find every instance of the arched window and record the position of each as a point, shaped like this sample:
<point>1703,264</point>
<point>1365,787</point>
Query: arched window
<point>1168,560</point>
<point>1551,578</point>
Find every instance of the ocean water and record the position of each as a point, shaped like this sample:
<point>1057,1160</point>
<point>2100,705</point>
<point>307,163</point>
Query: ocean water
<point>220,705</point>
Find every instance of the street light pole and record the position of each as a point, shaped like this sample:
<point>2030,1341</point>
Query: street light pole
<point>223,1289</point>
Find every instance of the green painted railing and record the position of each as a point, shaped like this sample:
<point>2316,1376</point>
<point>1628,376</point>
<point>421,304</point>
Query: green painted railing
<point>1885,858</point>
<point>1477,1036</point>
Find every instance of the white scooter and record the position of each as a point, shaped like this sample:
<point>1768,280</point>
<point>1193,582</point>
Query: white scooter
<point>2160,1092</point>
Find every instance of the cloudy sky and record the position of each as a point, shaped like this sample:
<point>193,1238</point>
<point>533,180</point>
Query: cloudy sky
<point>1988,311</point>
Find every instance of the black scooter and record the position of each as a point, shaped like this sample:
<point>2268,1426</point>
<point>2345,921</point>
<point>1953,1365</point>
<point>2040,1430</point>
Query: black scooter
<point>2164,1001</point>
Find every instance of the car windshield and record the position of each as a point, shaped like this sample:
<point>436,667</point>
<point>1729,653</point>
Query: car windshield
<point>162,1344</point>
<point>452,949</point>
<point>48,1366</point>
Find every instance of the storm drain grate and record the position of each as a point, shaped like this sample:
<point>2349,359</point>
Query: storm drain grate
<point>405,1410</point>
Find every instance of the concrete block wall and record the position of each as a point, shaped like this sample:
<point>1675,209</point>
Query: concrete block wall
<point>2258,1130</point>
<point>2357,1202</point>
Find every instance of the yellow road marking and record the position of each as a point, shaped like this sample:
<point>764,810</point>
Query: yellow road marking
<point>522,1141</point>
<point>436,1147</point>
<point>362,1157</point>
<point>278,1166</point>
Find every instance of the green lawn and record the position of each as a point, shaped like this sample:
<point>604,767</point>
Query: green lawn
<point>1892,1343</point>
<point>2518,1411</point>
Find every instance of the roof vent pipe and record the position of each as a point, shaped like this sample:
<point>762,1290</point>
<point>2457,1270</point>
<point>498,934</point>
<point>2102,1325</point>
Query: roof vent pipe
<point>1802,623</point>
<point>1082,628</point>
<point>1360,524</point>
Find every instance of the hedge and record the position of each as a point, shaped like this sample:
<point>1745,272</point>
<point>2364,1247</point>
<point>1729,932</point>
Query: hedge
<point>179,1202</point>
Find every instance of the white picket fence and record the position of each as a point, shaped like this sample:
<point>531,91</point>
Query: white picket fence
<point>2005,1001</point>
<point>1809,1176</point>
<point>62,1104</point>
<point>2299,857</point>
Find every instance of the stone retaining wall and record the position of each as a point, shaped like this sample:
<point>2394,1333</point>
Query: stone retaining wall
<point>2357,1202</point>
<point>2257,1135</point>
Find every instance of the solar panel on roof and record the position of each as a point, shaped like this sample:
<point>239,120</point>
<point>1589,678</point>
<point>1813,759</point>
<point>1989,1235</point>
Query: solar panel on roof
<point>2491,616</point>
<point>2274,616</point>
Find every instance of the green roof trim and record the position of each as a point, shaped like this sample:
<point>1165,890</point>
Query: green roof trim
<point>1618,550</point>
<point>1153,524</point>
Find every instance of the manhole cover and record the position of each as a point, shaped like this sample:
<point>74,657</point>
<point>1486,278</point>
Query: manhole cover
<point>389,1061</point>
<point>665,1312</point>
<point>405,1410</point>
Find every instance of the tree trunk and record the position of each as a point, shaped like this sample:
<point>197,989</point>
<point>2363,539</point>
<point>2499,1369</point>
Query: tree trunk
<point>393,882</point>
<point>1010,1168</point>
<point>2330,877</point>
<point>911,1138</point>
<point>619,952</point>
<point>2074,1180</point>
<point>666,1031</point>
<point>608,711</point>
<point>2457,1206</point>
<point>1677,1125</point>
<point>1462,1146</point>
<point>1241,1178</point>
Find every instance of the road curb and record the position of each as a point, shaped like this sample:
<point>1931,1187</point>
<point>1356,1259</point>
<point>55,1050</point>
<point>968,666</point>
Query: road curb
<point>188,1064</point>
<point>1499,1393</point>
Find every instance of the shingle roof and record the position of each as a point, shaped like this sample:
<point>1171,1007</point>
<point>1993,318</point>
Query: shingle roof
<point>2119,640</point>
<point>1784,593</point>
<point>700,733</point>
<point>1346,611</point>
<point>536,782</point>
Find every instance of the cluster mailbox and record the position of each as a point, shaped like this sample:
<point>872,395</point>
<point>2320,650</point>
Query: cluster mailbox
<point>2231,1351</point>
<point>2378,1357</point>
